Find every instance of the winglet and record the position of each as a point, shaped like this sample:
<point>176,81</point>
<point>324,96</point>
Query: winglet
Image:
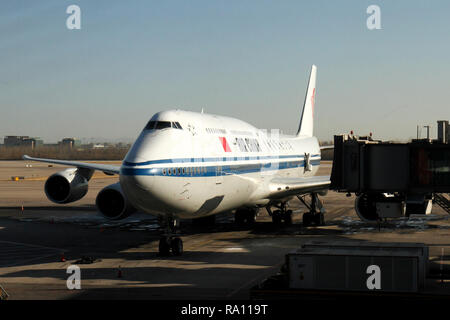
<point>307,119</point>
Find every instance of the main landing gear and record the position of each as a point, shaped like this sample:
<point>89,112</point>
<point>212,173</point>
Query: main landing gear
<point>168,242</point>
<point>281,214</point>
<point>316,211</point>
<point>245,216</point>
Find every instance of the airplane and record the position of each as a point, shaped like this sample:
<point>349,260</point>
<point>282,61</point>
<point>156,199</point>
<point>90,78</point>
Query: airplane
<point>190,165</point>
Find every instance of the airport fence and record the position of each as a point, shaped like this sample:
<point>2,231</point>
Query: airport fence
<point>16,153</point>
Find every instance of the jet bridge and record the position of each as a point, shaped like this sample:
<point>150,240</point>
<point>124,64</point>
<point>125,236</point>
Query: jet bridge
<point>392,179</point>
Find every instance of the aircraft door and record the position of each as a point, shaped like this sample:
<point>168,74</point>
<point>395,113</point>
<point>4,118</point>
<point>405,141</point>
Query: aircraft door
<point>219,175</point>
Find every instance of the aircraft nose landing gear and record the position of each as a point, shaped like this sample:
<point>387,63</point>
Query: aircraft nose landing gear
<point>168,242</point>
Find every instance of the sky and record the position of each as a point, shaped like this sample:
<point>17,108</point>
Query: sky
<point>248,59</point>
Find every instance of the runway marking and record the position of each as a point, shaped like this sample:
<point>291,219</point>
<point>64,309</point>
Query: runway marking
<point>16,253</point>
<point>240,249</point>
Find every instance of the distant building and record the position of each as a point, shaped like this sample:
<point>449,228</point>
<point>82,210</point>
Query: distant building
<point>22,141</point>
<point>443,131</point>
<point>69,143</point>
<point>122,145</point>
<point>14,141</point>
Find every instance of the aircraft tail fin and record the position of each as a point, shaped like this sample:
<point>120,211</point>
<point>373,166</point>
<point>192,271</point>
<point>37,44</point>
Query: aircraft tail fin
<point>307,119</point>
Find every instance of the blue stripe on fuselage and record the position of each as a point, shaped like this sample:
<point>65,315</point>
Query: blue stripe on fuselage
<point>218,159</point>
<point>215,170</point>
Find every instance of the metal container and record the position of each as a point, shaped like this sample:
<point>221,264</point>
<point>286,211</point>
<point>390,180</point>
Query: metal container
<point>419,249</point>
<point>341,266</point>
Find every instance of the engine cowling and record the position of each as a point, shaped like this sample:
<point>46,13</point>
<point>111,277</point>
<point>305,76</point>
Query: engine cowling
<point>113,204</point>
<point>67,186</point>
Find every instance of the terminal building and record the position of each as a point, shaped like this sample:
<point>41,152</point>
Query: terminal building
<point>22,141</point>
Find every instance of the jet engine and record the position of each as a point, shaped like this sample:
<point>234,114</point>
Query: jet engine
<point>68,185</point>
<point>112,203</point>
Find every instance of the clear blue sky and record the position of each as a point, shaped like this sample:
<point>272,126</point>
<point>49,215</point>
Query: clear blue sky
<point>248,59</point>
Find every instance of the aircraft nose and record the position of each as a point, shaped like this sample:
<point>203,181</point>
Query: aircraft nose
<point>140,151</point>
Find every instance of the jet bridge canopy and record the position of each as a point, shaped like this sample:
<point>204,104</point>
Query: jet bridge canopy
<point>369,166</point>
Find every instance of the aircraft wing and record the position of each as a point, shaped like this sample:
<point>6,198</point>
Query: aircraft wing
<point>282,187</point>
<point>106,168</point>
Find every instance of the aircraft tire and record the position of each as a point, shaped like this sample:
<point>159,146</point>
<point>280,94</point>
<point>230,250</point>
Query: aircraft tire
<point>307,219</point>
<point>250,217</point>
<point>239,217</point>
<point>288,217</point>
<point>177,247</point>
<point>164,247</point>
<point>319,219</point>
<point>276,217</point>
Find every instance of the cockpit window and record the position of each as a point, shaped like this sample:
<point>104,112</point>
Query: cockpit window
<point>162,125</point>
<point>158,125</point>
<point>150,125</point>
<point>176,125</point>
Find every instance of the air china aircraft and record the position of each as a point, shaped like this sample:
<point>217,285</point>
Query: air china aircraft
<point>188,165</point>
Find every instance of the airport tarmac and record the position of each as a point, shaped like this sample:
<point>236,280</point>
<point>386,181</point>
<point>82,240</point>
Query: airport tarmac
<point>220,262</point>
